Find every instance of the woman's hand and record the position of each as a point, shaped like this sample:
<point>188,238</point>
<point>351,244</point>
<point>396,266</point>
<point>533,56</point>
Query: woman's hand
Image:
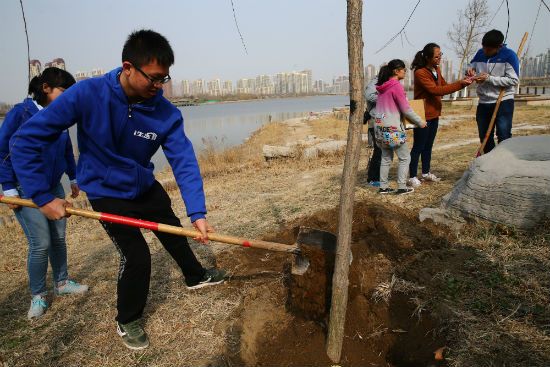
<point>14,206</point>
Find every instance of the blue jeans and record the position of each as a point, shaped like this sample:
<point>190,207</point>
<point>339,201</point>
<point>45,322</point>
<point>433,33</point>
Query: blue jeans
<point>422,147</point>
<point>503,122</point>
<point>46,240</point>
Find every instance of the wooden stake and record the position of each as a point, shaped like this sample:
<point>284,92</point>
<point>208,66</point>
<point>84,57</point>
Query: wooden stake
<point>349,177</point>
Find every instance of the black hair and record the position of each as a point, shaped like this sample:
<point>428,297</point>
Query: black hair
<point>493,38</point>
<point>144,46</point>
<point>386,71</point>
<point>54,78</point>
<point>421,58</point>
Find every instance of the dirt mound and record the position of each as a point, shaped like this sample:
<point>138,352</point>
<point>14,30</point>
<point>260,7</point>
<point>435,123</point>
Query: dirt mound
<point>385,325</point>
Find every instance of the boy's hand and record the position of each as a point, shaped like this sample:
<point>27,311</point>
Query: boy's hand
<point>55,209</point>
<point>481,77</point>
<point>75,190</point>
<point>204,228</point>
<point>470,72</point>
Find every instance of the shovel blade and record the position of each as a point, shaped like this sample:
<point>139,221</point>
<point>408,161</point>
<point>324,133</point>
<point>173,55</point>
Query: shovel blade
<point>313,240</point>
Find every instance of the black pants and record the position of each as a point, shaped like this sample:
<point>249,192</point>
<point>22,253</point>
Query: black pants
<point>135,258</point>
<point>422,147</point>
<point>373,172</point>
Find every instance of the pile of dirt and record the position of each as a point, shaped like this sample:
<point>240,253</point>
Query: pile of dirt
<point>385,324</point>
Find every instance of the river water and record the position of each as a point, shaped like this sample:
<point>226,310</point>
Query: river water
<point>228,124</point>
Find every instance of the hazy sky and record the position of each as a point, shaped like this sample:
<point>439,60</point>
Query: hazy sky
<point>280,35</point>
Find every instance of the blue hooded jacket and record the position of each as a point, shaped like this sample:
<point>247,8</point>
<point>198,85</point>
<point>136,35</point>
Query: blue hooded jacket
<point>116,140</point>
<point>58,157</point>
<point>503,70</point>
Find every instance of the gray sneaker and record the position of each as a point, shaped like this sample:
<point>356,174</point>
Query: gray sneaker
<point>212,276</point>
<point>70,287</point>
<point>133,335</point>
<point>38,307</point>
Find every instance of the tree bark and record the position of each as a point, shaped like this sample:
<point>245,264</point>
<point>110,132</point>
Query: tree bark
<point>340,282</point>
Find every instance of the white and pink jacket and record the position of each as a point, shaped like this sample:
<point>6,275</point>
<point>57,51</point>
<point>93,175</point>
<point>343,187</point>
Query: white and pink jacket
<point>392,107</point>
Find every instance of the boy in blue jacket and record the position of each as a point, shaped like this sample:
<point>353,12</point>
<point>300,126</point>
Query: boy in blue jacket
<point>122,121</point>
<point>493,67</point>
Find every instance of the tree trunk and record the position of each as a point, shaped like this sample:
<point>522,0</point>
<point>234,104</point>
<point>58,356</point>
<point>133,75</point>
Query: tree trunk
<point>349,176</point>
<point>466,49</point>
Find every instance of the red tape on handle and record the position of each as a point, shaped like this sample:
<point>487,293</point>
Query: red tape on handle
<point>118,219</point>
<point>246,244</point>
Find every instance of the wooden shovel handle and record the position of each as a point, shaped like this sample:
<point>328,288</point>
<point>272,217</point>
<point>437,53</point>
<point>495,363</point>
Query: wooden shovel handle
<point>179,231</point>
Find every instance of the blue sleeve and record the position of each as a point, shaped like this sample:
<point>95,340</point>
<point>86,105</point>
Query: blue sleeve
<point>371,94</point>
<point>181,156</point>
<point>69,157</point>
<point>27,144</point>
<point>12,122</point>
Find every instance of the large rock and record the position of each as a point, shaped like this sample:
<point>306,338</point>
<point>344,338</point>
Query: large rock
<point>510,185</point>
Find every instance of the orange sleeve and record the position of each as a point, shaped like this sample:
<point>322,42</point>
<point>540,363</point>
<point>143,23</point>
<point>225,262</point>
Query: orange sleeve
<point>427,82</point>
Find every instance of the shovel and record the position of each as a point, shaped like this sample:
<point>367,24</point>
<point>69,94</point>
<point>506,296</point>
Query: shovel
<point>300,265</point>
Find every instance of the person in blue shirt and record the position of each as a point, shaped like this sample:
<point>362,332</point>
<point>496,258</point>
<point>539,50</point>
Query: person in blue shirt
<point>46,238</point>
<point>494,67</point>
<point>123,119</point>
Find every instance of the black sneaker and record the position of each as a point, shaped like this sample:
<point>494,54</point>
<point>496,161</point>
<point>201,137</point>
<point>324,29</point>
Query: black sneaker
<point>406,191</point>
<point>133,335</point>
<point>212,276</point>
<point>387,190</point>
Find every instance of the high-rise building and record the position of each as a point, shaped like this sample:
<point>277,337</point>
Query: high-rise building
<point>81,75</point>
<point>309,80</point>
<point>340,84</point>
<point>370,72</point>
<point>246,86</point>
<point>319,86</point>
<point>185,88</point>
<point>446,66</point>
<point>292,83</point>
<point>35,68</point>
<point>56,63</point>
<point>168,89</point>
<point>95,73</point>
<point>264,85</point>
<point>214,87</point>
<point>409,77</point>
<point>197,88</point>
<point>536,67</point>
<point>227,87</point>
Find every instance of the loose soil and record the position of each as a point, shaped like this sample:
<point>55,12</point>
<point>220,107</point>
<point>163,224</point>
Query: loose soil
<point>414,287</point>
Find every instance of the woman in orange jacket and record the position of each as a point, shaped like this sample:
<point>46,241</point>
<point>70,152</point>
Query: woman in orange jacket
<point>430,86</point>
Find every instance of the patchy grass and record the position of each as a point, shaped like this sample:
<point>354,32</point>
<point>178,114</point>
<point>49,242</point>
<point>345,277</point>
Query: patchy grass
<point>491,286</point>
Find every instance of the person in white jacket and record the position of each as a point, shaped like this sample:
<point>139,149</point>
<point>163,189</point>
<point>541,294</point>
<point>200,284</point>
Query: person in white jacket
<point>494,67</point>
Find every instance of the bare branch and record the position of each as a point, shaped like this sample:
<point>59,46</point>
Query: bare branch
<point>465,33</point>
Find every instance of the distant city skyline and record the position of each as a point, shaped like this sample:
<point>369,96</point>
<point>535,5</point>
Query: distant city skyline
<point>281,36</point>
<point>290,82</point>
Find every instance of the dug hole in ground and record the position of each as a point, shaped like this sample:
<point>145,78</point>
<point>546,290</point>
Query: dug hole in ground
<point>482,292</point>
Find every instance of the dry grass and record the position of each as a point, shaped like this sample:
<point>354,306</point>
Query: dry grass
<point>249,197</point>
<point>497,298</point>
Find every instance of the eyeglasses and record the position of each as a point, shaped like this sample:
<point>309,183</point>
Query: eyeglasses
<point>153,81</point>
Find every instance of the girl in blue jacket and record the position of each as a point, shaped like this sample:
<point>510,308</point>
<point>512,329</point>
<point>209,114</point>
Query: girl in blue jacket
<point>46,238</point>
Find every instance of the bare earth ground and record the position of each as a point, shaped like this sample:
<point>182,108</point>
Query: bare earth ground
<point>482,294</point>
